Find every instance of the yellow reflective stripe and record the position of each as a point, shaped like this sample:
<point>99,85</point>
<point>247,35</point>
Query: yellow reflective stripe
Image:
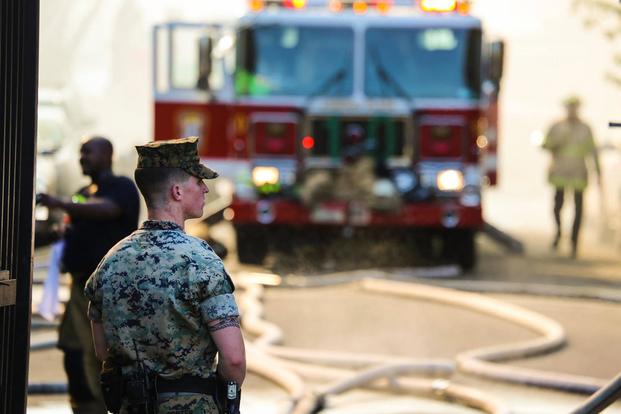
<point>576,151</point>
<point>561,182</point>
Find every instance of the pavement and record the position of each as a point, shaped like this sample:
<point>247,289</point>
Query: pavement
<point>344,318</point>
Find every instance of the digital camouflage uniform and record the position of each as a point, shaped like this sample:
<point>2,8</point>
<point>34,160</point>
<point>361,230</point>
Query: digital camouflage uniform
<point>154,292</point>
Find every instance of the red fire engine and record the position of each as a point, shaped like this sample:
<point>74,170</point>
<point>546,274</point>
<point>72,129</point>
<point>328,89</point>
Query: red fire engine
<point>284,91</point>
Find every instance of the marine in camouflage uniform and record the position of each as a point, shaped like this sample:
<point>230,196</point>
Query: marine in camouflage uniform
<point>156,292</point>
<point>570,142</point>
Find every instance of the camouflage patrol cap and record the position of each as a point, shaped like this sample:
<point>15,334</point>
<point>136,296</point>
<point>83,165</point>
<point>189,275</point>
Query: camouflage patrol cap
<point>175,153</point>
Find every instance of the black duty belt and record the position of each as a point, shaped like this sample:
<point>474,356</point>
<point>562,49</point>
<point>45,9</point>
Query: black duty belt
<point>187,383</point>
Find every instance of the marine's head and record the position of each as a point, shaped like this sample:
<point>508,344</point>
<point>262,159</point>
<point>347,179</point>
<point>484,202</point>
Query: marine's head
<point>169,174</point>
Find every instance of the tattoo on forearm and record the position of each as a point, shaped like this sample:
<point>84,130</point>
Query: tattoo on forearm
<point>224,323</point>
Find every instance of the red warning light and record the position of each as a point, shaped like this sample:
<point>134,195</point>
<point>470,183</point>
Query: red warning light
<point>308,142</point>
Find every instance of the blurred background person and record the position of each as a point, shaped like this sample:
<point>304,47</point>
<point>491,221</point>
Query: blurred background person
<point>570,142</point>
<point>100,214</point>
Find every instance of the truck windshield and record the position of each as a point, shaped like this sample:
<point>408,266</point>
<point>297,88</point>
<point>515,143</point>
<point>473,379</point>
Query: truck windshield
<point>422,63</point>
<point>294,61</point>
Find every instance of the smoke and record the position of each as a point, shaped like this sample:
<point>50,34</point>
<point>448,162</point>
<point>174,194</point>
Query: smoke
<point>99,54</point>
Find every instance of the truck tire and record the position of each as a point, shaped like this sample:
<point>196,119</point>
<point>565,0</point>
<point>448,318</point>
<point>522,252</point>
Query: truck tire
<point>252,244</point>
<point>460,248</point>
<point>467,259</point>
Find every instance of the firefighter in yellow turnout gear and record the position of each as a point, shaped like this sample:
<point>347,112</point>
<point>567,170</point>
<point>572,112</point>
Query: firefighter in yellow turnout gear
<point>570,142</point>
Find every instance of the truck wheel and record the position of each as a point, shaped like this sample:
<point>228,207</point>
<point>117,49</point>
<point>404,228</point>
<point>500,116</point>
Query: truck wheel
<point>460,247</point>
<point>468,250</point>
<point>283,239</point>
<point>428,247</point>
<point>251,244</point>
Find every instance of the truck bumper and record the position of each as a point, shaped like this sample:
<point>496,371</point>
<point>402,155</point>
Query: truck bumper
<point>435,214</point>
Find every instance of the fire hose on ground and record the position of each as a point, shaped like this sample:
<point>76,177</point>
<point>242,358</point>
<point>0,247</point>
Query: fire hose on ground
<point>387,378</point>
<point>382,376</point>
<point>485,362</point>
<point>380,372</point>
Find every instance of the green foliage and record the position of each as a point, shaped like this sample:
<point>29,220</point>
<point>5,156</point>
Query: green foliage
<point>604,15</point>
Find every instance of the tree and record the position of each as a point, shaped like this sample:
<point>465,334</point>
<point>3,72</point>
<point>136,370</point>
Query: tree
<point>604,15</point>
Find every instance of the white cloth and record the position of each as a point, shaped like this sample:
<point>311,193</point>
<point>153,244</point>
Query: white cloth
<point>49,307</point>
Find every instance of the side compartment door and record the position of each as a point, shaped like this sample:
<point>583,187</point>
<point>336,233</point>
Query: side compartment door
<point>192,83</point>
<point>493,67</point>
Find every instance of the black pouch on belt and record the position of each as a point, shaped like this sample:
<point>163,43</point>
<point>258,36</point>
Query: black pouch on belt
<point>111,380</point>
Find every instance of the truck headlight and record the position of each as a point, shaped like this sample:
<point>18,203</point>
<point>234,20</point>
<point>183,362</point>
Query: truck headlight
<point>263,175</point>
<point>450,180</point>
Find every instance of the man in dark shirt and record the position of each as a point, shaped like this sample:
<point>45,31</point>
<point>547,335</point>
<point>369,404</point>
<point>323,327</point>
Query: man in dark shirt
<point>101,214</point>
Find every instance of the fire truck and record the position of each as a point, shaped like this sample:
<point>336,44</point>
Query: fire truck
<point>279,95</point>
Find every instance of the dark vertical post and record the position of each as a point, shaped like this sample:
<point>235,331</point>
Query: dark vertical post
<point>19,28</point>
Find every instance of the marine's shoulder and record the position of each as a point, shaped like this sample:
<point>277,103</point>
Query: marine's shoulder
<point>182,237</point>
<point>202,249</point>
<point>127,246</point>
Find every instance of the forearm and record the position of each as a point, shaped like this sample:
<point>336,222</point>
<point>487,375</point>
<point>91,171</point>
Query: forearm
<point>232,370</point>
<point>226,334</point>
<point>96,209</point>
<point>99,341</point>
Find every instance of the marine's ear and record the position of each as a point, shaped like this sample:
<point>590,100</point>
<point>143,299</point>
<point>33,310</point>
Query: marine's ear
<point>176,191</point>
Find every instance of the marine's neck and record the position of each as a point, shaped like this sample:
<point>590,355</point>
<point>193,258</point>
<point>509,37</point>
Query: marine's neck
<point>167,215</point>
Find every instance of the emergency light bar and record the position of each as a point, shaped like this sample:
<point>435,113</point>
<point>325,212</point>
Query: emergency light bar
<point>362,6</point>
<point>258,5</point>
<point>358,6</point>
<point>445,6</point>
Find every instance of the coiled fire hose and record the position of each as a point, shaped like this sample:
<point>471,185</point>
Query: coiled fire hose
<point>382,376</point>
<point>483,362</point>
<point>379,372</point>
